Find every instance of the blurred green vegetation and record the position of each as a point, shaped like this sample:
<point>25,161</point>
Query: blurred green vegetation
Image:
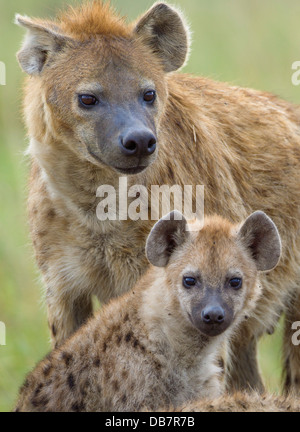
<point>249,43</point>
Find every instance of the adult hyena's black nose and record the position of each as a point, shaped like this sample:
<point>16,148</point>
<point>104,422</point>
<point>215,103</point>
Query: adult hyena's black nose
<point>213,315</point>
<point>138,143</point>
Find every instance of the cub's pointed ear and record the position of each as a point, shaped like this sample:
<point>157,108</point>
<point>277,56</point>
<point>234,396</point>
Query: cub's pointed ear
<point>166,235</point>
<point>164,30</point>
<point>261,237</point>
<point>41,41</point>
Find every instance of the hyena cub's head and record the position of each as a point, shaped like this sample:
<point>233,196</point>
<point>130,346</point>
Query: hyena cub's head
<point>98,85</point>
<point>213,273</point>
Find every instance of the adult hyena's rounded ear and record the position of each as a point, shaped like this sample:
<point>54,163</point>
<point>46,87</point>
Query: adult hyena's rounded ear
<point>167,234</point>
<point>261,237</point>
<point>42,39</point>
<point>164,30</point>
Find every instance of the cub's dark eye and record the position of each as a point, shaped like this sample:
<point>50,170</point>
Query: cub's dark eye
<point>88,100</point>
<point>150,96</point>
<point>189,282</point>
<point>235,283</point>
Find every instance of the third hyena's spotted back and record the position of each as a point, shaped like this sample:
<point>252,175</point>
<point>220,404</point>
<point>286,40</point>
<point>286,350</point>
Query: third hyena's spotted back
<point>244,402</point>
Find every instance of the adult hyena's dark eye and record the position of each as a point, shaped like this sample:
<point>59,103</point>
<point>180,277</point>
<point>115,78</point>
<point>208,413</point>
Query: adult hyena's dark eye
<point>236,283</point>
<point>88,100</point>
<point>150,96</point>
<point>189,281</point>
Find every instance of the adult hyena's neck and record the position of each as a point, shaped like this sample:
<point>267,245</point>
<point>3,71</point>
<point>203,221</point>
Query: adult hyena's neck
<point>73,184</point>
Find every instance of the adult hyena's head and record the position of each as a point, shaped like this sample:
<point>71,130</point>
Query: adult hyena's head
<point>98,86</point>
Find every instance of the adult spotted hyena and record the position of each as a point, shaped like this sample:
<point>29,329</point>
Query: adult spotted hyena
<point>103,101</point>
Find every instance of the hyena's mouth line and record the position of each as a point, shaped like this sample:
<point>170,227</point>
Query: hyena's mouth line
<point>95,157</point>
<point>126,171</point>
<point>134,170</point>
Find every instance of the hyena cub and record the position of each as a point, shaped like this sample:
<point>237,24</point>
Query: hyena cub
<point>160,344</point>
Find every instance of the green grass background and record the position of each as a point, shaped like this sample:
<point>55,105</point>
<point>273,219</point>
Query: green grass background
<point>248,43</point>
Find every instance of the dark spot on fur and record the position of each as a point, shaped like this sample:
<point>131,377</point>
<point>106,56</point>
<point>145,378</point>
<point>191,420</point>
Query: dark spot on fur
<point>115,385</point>
<point>38,389</point>
<point>124,399</point>
<point>53,329</point>
<point>171,174</point>
<point>71,381</point>
<point>46,370</point>
<point>43,401</point>
<point>128,336</point>
<point>51,214</point>
<point>119,338</point>
<point>136,344</point>
<point>179,125</point>
<point>34,402</point>
<point>297,380</point>
<point>104,347</point>
<point>97,362</point>
<point>84,387</point>
<point>126,318</point>
<point>67,357</point>
<point>124,374</point>
<point>83,392</point>
<point>157,365</point>
<point>42,233</point>
<point>106,375</point>
<point>77,407</point>
<point>287,383</point>
<point>26,384</point>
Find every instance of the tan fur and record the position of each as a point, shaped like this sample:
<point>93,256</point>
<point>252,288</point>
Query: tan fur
<point>243,402</point>
<point>143,350</point>
<point>243,145</point>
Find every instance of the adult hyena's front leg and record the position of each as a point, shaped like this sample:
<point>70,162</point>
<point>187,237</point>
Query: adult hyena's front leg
<point>242,369</point>
<point>291,346</point>
<point>66,313</point>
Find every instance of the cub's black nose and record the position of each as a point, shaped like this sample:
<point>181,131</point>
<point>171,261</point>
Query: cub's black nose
<point>213,315</point>
<point>138,143</point>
